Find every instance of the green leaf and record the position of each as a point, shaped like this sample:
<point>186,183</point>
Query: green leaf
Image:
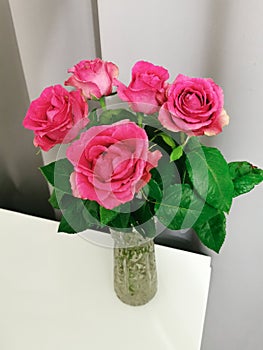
<point>53,200</point>
<point>114,115</point>
<point>72,220</point>
<point>153,191</point>
<point>118,217</point>
<point>168,139</point>
<point>93,118</point>
<point>65,227</point>
<point>92,210</point>
<point>193,143</point>
<point>245,177</point>
<point>209,174</point>
<point>79,215</point>
<point>212,233</point>
<point>66,200</point>
<point>91,214</point>
<point>165,173</point>
<point>155,175</point>
<point>181,208</point>
<point>48,172</point>
<point>176,153</point>
<point>107,215</point>
<point>102,102</point>
<point>152,120</point>
<point>121,221</point>
<point>143,220</point>
<point>62,200</point>
<point>58,173</point>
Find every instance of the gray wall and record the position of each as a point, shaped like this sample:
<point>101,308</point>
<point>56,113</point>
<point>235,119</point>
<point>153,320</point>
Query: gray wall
<point>221,39</point>
<point>39,41</point>
<point>65,31</point>
<point>22,187</point>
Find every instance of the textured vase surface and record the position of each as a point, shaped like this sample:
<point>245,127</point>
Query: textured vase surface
<point>135,275</point>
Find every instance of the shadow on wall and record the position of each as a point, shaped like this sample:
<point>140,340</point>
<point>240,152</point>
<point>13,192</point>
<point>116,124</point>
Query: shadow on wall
<point>22,187</point>
<point>218,25</point>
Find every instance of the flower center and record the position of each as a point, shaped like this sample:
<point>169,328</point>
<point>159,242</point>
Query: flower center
<point>193,101</point>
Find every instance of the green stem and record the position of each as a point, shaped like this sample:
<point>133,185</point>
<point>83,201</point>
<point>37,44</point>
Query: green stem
<point>182,137</point>
<point>140,118</point>
<point>185,141</point>
<point>103,103</point>
<point>154,145</point>
<point>143,194</point>
<point>154,137</point>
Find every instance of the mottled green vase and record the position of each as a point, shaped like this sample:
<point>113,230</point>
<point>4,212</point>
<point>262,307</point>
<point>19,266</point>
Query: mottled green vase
<point>135,275</point>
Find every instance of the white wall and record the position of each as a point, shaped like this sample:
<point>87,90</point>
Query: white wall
<point>52,35</point>
<point>221,39</point>
<point>169,33</point>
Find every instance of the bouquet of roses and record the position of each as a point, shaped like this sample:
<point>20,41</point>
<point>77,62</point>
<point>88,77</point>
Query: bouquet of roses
<point>141,161</point>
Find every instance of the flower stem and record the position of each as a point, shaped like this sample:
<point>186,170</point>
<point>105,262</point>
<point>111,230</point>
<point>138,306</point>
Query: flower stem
<point>153,138</point>
<point>182,137</point>
<point>140,118</point>
<point>152,146</point>
<point>103,103</point>
<point>185,141</point>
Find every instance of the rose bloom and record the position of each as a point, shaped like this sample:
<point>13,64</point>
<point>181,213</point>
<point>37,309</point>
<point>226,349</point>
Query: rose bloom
<point>194,106</point>
<point>56,116</point>
<point>111,163</point>
<point>94,78</point>
<point>147,89</point>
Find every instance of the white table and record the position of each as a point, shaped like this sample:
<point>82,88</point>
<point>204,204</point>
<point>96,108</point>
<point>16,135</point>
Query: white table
<point>56,293</point>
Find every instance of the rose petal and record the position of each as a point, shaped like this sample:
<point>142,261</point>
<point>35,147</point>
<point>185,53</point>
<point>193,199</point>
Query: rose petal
<point>218,124</point>
<point>109,161</point>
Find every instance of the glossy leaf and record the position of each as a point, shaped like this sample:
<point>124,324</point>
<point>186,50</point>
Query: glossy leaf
<point>152,121</point>
<point>144,220</point>
<point>107,215</point>
<point>121,221</point>
<point>92,208</point>
<point>114,115</point>
<point>117,217</point>
<point>93,119</point>
<point>58,173</point>
<point>165,173</point>
<point>212,233</point>
<point>168,140</point>
<point>72,220</point>
<point>209,174</point>
<point>65,227</point>
<point>181,208</point>
<point>153,190</point>
<point>62,200</point>
<point>53,200</point>
<point>78,215</point>
<point>176,153</point>
<point>245,177</point>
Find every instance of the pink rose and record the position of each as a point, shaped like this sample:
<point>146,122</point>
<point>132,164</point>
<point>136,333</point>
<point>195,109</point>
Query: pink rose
<point>194,106</point>
<point>93,77</point>
<point>56,116</point>
<point>147,89</point>
<point>111,163</point>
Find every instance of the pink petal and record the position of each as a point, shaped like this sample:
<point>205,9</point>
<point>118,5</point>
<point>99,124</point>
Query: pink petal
<point>217,125</point>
